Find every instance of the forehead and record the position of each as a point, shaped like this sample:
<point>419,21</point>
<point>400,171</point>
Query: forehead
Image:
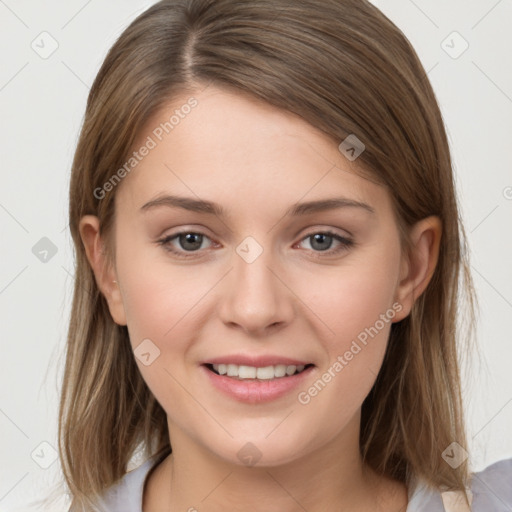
<point>238,149</point>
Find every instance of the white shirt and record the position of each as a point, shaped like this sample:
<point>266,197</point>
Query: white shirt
<point>491,491</point>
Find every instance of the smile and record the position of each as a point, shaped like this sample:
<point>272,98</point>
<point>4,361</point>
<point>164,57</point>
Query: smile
<point>243,372</point>
<point>256,384</point>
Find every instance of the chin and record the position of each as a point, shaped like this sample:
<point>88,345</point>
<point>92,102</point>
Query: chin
<point>260,450</point>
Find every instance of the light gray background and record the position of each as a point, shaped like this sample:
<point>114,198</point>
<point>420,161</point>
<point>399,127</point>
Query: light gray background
<point>42,101</point>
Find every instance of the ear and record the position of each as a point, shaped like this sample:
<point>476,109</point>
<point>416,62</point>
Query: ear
<point>105,275</point>
<point>418,266</point>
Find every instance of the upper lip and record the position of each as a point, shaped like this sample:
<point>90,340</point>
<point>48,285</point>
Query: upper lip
<point>256,361</point>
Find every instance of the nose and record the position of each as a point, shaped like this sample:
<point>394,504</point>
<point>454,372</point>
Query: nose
<point>255,298</point>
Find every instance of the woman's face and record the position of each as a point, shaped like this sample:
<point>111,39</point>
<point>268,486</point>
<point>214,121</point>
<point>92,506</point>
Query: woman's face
<point>259,286</point>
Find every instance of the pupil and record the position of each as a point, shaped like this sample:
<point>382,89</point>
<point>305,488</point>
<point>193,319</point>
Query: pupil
<point>189,239</point>
<point>321,238</point>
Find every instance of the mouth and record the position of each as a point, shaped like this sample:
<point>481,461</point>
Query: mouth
<point>257,379</point>
<point>254,373</point>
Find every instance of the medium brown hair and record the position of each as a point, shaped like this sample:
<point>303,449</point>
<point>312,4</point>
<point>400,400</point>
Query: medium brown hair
<point>345,68</point>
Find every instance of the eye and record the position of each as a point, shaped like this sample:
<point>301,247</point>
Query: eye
<point>191,242</point>
<point>322,242</point>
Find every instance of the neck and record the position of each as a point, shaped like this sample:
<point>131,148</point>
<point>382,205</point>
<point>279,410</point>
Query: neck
<point>331,478</point>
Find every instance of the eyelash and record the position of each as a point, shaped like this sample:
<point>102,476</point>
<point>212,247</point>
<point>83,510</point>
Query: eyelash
<point>345,243</point>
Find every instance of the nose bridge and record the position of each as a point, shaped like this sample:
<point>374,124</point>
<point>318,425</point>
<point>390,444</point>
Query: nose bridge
<point>256,298</point>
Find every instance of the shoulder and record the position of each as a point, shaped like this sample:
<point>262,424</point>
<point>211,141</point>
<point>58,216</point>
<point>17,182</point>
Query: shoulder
<point>126,495</point>
<point>492,487</point>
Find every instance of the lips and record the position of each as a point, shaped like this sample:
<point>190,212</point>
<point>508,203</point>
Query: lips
<point>256,379</point>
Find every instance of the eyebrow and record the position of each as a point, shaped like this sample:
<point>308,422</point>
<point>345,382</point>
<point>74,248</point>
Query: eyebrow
<point>208,207</point>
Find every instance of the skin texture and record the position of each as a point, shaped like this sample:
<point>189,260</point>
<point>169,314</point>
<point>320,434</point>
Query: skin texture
<point>294,300</point>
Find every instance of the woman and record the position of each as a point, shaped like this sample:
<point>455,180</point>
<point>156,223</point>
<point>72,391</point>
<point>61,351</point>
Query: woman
<point>256,369</point>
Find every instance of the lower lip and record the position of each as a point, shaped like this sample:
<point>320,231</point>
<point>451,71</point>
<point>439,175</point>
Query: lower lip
<point>256,391</point>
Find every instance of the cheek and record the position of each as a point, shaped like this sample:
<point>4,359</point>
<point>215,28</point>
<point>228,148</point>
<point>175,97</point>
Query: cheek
<point>360,305</point>
<point>160,305</point>
<point>353,297</point>
<point>160,301</point>
<point>155,292</point>
<point>357,307</point>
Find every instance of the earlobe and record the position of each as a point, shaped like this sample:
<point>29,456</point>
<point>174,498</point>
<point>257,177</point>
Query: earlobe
<point>105,275</point>
<point>419,266</point>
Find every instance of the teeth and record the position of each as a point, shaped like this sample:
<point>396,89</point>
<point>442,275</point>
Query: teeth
<point>280,370</point>
<point>247,372</point>
<point>263,373</point>
<point>251,372</point>
<point>290,370</point>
